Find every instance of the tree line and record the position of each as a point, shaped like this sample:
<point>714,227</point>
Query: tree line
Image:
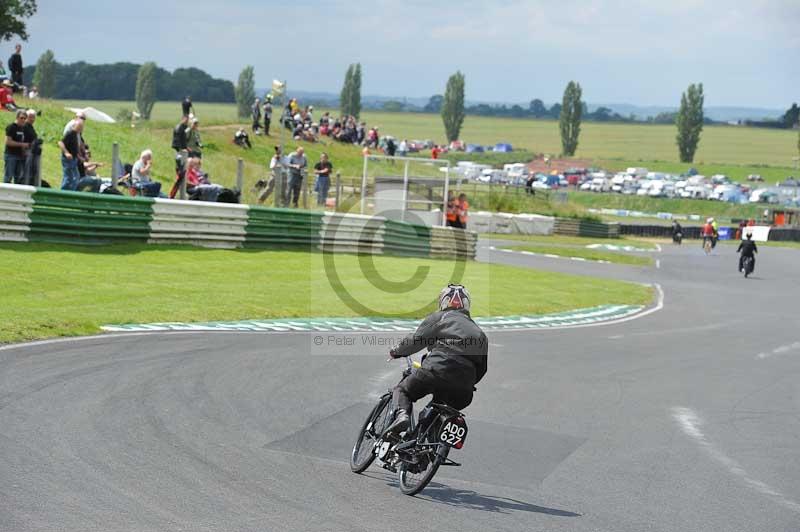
<point>117,81</point>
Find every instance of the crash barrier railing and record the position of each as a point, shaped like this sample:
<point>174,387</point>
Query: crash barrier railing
<point>574,227</point>
<point>31,214</point>
<point>779,234</point>
<point>657,231</point>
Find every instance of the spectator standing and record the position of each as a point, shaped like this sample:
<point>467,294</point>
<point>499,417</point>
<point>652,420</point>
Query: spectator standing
<point>34,153</point>
<point>391,147</point>
<point>275,170</point>
<point>241,138</point>
<point>323,170</point>
<point>452,213</point>
<point>179,137</point>
<point>14,154</point>
<point>402,149</point>
<point>3,73</point>
<point>435,151</point>
<point>193,142</point>
<point>267,113</point>
<point>186,106</point>
<point>255,110</point>
<point>462,210</point>
<point>70,149</point>
<point>297,166</point>
<point>80,116</point>
<point>15,66</point>
<point>141,175</point>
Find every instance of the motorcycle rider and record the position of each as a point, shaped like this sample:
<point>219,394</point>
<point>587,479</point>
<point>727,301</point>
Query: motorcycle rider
<point>456,361</point>
<point>707,232</point>
<point>677,232</point>
<point>715,227</point>
<point>747,248</point>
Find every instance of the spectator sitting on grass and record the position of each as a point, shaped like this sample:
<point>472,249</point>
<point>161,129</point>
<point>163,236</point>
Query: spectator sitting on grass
<point>198,185</point>
<point>141,176</point>
<point>240,138</point>
<point>7,102</point>
<point>87,169</point>
<point>33,93</point>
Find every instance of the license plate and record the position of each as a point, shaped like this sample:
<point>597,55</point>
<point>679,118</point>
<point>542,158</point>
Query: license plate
<point>454,432</point>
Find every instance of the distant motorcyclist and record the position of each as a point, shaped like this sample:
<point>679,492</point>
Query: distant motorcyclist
<point>707,232</point>
<point>458,352</point>
<point>715,227</point>
<point>747,248</point>
<point>677,232</point>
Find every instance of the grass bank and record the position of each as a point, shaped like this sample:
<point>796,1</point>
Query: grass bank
<point>52,291</point>
<point>574,241</point>
<point>585,253</point>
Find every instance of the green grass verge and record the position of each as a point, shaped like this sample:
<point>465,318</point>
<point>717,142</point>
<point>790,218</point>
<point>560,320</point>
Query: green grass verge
<point>576,241</point>
<point>52,291</point>
<point>588,254</point>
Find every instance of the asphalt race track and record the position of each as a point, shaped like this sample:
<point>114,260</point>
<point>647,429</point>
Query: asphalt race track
<point>687,419</point>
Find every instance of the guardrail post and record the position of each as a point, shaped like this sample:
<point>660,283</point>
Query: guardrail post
<point>338,191</point>
<point>405,193</point>
<point>182,188</point>
<point>116,169</point>
<point>364,186</point>
<point>37,171</point>
<point>304,190</point>
<point>240,175</point>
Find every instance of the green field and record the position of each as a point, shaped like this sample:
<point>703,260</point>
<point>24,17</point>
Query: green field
<point>72,290</point>
<point>613,145</point>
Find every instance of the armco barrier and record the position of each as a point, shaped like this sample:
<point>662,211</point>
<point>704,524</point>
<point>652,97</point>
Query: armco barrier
<point>220,225</point>
<point>16,204</point>
<point>283,228</point>
<point>450,242</point>
<point>342,233</point>
<point>574,227</point>
<point>784,234</point>
<point>657,231</point>
<point>77,217</point>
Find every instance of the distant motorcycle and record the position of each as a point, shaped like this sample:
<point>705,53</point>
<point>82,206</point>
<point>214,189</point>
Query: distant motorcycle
<point>748,264</point>
<point>677,238</point>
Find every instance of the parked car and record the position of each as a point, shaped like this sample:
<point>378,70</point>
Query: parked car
<point>755,177</point>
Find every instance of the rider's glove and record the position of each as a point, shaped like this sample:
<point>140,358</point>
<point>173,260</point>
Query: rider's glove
<point>393,353</point>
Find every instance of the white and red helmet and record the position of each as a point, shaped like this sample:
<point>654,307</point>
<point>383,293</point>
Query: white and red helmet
<point>454,296</point>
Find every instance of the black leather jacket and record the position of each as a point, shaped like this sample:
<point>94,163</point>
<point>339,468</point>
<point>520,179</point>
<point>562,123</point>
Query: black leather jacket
<point>458,347</point>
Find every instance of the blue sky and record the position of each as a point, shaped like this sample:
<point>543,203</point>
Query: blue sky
<point>641,52</point>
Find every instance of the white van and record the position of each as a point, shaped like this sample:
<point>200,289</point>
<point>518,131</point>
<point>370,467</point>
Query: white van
<point>636,172</point>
